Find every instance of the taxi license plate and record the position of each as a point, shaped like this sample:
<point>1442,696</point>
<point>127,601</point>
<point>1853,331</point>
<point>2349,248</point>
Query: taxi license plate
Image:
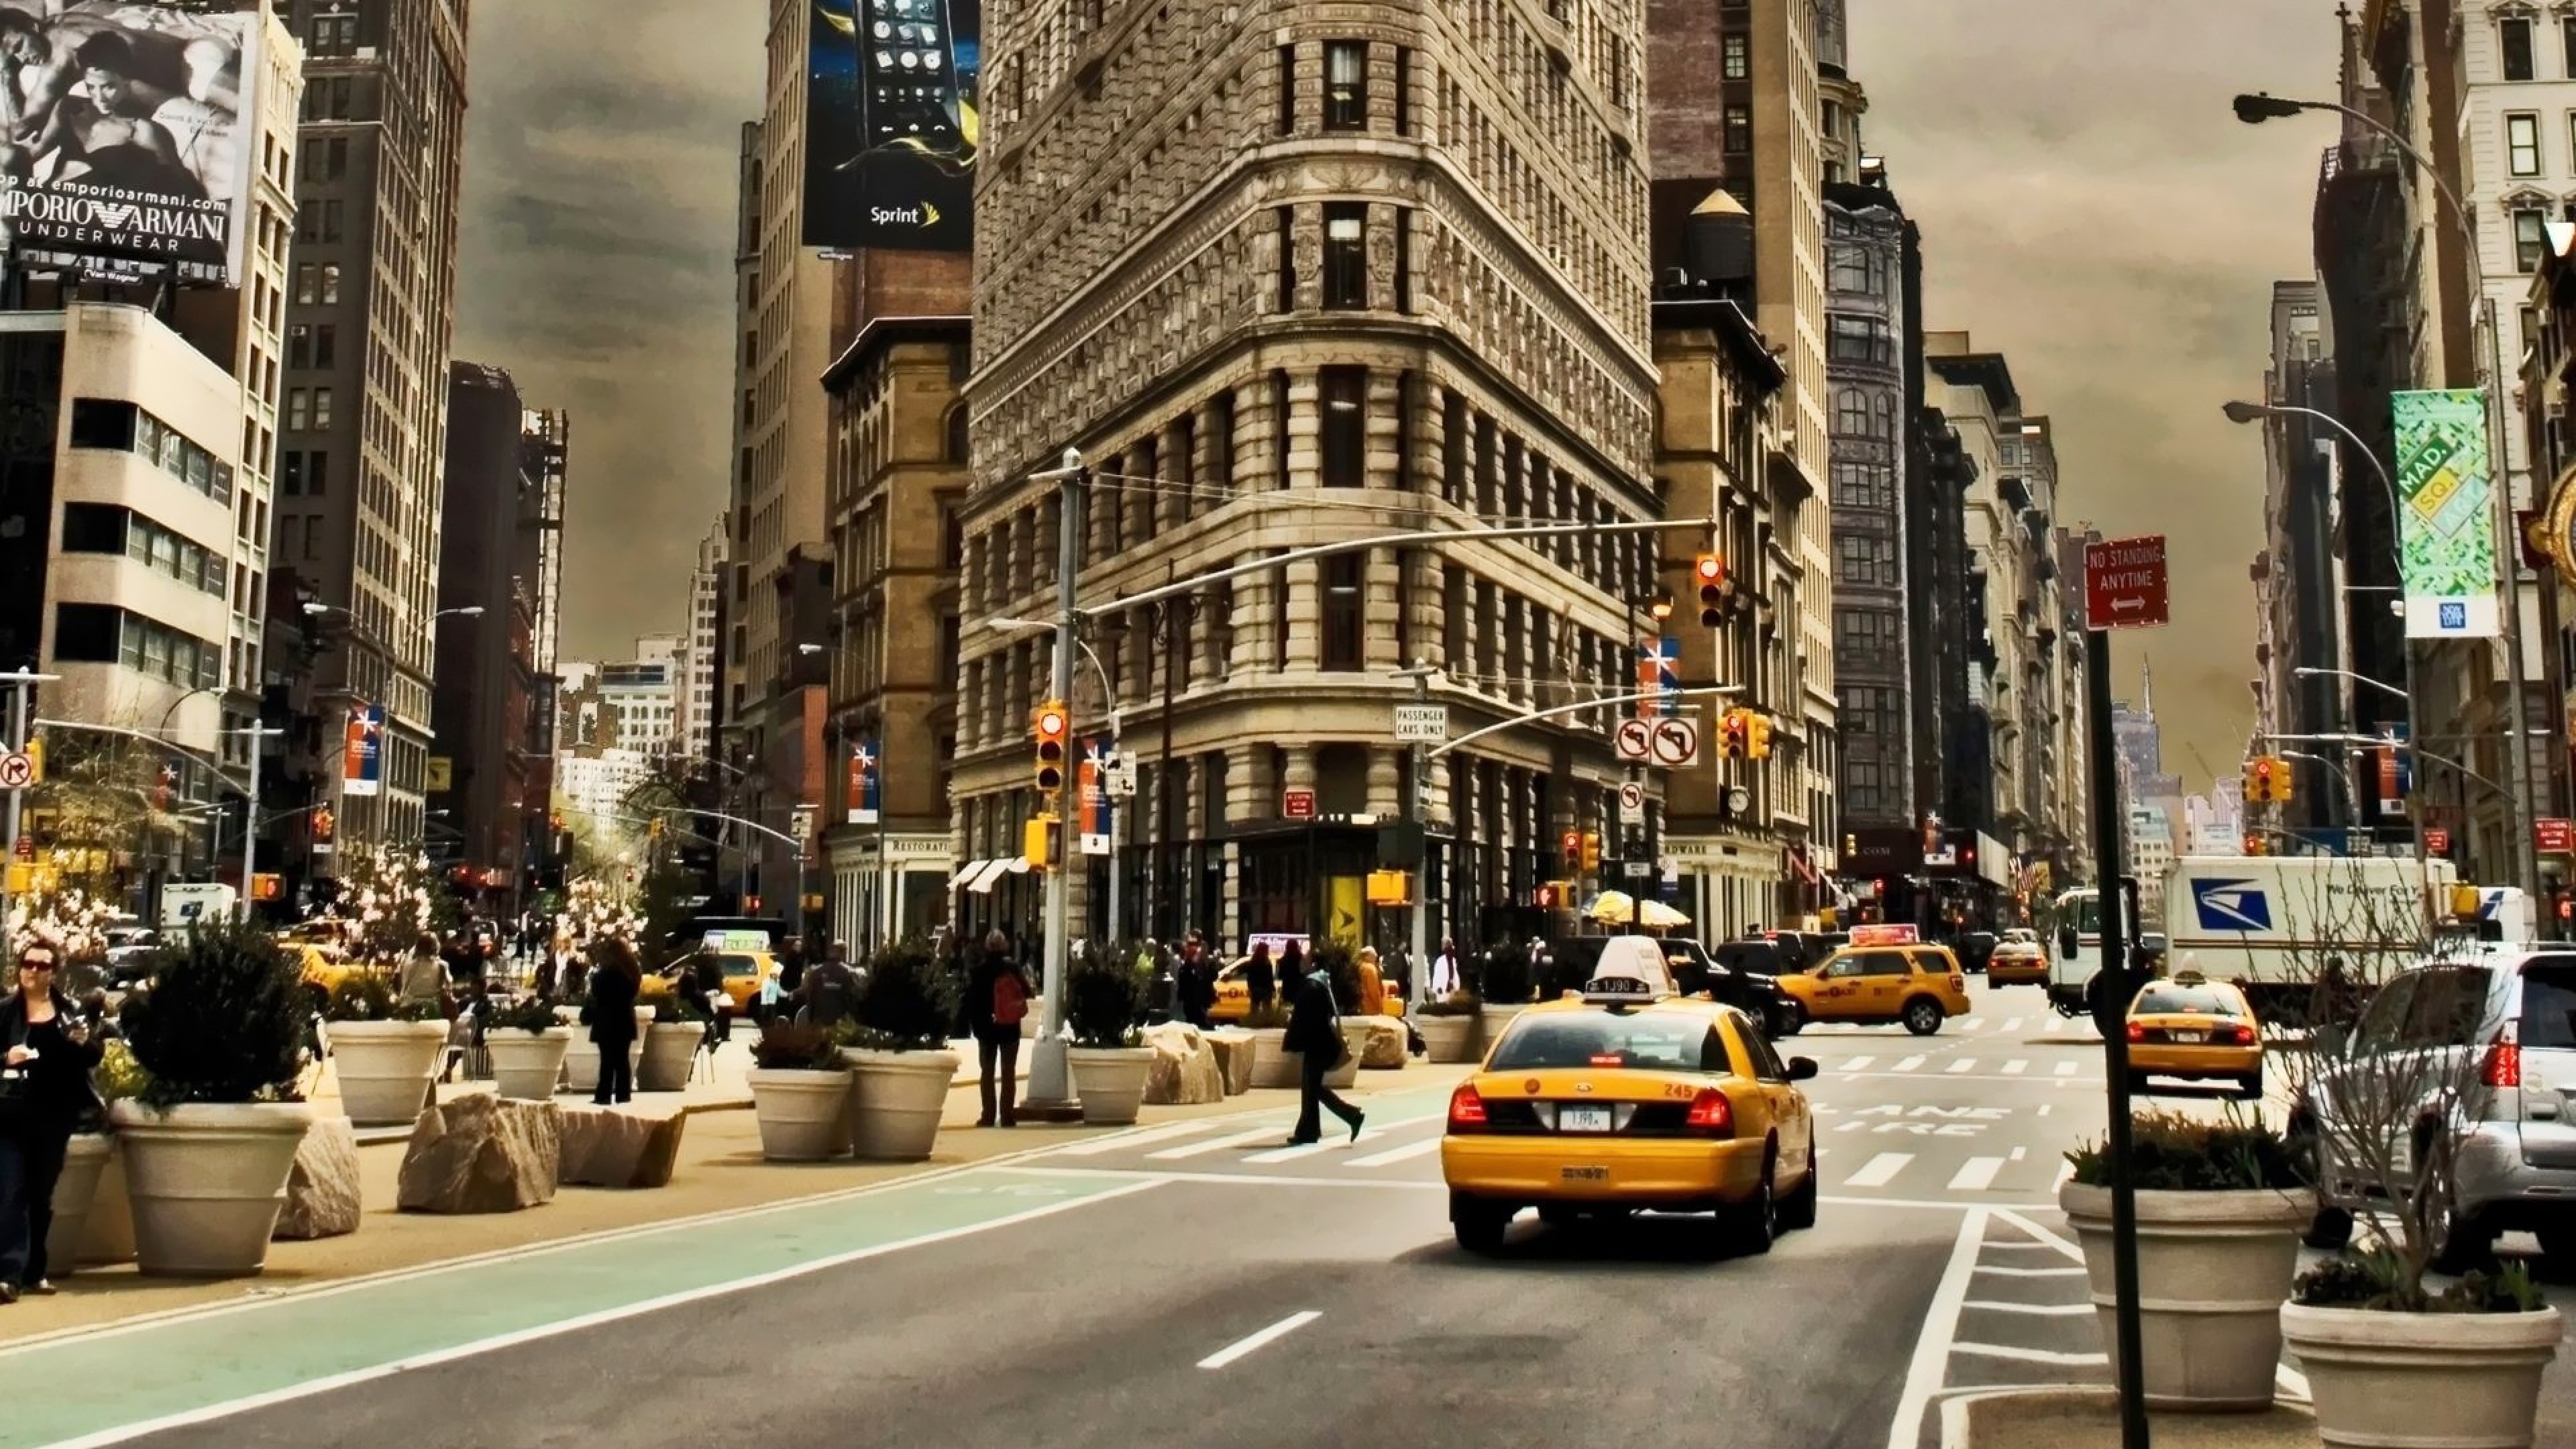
<point>1585,1174</point>
<point>2191,1038</point>
<point>1582,1119</point>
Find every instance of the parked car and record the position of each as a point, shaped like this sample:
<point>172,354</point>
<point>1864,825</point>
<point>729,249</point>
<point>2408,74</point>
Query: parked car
<point>1756,994</point>
<point>1974,950</point>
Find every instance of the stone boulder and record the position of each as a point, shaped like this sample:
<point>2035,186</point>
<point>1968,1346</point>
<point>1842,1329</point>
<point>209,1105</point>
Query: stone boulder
<point>607,1148</point>
<point>481,1154</point>
<point>1235,1049</point>
<point>1185,1069</point>
<point>1385,1047</point>
<point>322,1195</point>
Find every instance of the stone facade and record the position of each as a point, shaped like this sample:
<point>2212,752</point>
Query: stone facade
<point>1290,277</point>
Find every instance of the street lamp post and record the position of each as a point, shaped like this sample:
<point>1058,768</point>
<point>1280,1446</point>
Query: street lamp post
<point>881,919</point>
<point>2253,110</point>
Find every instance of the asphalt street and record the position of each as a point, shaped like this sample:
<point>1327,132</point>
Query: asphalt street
<point>1200,1278</point>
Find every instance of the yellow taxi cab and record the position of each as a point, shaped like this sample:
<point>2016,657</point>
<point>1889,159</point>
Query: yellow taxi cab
<point>1622,1099</point>
<point>2196,1028</point>
<point>1234,994</point>
<point>323,963</point>
<point>739,974</point>
<point>1916,984</point>
<point>2018,960</point>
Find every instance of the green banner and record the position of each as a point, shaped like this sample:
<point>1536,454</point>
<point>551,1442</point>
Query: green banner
<point>2446,514</point>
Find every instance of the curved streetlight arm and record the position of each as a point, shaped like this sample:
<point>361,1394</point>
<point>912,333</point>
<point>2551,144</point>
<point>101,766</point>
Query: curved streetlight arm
<point>2245,412</point>
<point>1700,692</point>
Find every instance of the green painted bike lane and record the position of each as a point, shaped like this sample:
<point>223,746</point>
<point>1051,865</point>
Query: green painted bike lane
<point>219,1360</point>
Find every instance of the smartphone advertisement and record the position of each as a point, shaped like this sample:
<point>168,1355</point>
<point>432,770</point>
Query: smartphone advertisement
<point>890,124</point>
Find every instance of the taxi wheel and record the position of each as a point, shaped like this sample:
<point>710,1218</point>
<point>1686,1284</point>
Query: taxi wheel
<point>1798,1210</point>
<point>2251,1084</point>
<point>1749,1226</point>
<point>1480,1225</point>
<point>1790,1020</point>
<point>1922,1016</point>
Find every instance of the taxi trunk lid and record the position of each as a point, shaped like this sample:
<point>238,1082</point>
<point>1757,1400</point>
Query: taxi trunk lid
<point>1600,1101</point>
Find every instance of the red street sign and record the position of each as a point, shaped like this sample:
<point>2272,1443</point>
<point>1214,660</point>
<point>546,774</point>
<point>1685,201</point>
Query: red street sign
<point>1297,804</point>
<point>26,847</point>
<point>2124,584</point>
<point>2551,835</point>
<point>2437,840</point>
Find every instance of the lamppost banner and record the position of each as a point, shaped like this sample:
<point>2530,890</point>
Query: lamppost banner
<point>2446,526</point>
<point>362,752</point>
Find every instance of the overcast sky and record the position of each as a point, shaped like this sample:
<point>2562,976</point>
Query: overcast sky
<point>2089,207</point>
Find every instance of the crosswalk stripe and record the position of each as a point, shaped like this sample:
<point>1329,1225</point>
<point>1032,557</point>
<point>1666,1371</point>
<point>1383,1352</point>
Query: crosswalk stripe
<point>1201,1149</point>
<point>2055,1023</point>
<point>1972,1023</point>
<point>1303,1149</point>
<point>1406,1153</point>
<point>1165,1133</point>
<point>2066,1069</point>
<point>1879,1171</point>
<point>1858,1064</point>
<point>2036,1310</point>
<point>1976,1174</point>
<point>1963,1064</point>
<point>1909,1064</point>
<point>2012,1023</point>
<point>2065,1171</point>
<point>2016,1067</point>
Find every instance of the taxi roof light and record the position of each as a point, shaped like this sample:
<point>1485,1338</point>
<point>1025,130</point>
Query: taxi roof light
<point>1711,1112</point>
<point>1466,1108</point>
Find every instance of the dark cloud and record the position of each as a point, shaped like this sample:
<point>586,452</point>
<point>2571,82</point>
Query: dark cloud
<point>2091,208</point>
<point>597,267</point>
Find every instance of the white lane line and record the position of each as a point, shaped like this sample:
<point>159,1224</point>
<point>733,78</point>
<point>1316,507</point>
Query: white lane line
<point>2065,1173</point>
<point>1142,1138</point>
<point>1269,1179</point>
<point>1200,1149</point>
<point>2042,1236</point>
<point>1255,1342</point>
<point>1909,1064</point>
<point>2031,1355</point>
<point>2012,1023</point>
<point>1406,1153</point>
<point>1972,1023</point>
<point>1931,1362</point>
<point>1858,1063</point>
<point>1879,1171</point>
<point>2030,1272</point>
<point>1963,1064</point>
<point>2066,1069</point>
<point>2016,1067</point>
<point>2040,1310</point>
<point>2019,1153</point>
<point>2055,1024</point>
<point>1976,1174</point>
<point>2043,1108</point>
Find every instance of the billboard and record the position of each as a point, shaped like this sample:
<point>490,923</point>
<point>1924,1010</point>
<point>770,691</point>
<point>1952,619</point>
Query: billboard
<point>362,751</point>
<point>2446,515</point>
<point>890,125</point>
<point>128,135</point>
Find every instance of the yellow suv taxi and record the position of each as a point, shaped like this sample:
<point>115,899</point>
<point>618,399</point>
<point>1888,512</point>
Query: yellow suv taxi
<point>1621,1100</point>
<point>1917,985</point>
<point>2197,1029</point>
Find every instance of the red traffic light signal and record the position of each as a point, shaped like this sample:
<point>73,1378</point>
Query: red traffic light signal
<point>1569,848</point>
<point>326,825</point>
<point>1054,722</point>
<point>1709,571</point>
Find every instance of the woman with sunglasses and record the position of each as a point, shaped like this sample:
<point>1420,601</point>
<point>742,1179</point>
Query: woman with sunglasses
<point>44,1089</point>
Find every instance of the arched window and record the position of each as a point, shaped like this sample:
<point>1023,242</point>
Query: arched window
<point>1886,417</point>
<point>957,434</point>
<point>1851,412</point>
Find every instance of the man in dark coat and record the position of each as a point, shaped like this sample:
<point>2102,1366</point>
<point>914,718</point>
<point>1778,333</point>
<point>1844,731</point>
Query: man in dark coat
<point>1315,1029</point>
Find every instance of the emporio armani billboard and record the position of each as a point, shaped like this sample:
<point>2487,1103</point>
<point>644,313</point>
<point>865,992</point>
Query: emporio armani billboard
<point>891,129</point>
<point>123,133</point>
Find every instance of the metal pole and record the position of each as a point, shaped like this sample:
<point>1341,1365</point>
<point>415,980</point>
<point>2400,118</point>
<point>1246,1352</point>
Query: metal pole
<point>2523,805</point>
<point>1419,966</point>
<point>250,818</point>
<point>17,795</point>
<point>1109,816</point>
<point>1050,1086</point>
<point>2115,1042</point>
<point>884,924</point>
<point>1158,890</point>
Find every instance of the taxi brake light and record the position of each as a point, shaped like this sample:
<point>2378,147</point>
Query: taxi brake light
<point>2241,1035</point>
<point>2503,1064</point>
<point>1608,1059</point>
<point>2137,1032</point>
<point>1466,1109</point>
<point>1711,1112</point>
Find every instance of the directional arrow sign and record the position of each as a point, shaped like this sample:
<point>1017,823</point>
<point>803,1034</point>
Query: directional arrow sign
<point>1675,742</point>
<point>1634,738</point>
<point>2125,584</point>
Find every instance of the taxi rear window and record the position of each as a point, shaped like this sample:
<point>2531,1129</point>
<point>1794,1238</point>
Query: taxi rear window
<point>739,965</point>
<point>2181,999</point>
<point>1669,1041</point>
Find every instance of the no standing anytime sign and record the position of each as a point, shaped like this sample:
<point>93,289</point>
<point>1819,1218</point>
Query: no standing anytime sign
<point>2124,584</point>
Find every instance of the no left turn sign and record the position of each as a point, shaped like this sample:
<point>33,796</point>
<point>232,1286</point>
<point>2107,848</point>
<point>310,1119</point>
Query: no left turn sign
<point>1634,739</point>
<point>1675,742</point>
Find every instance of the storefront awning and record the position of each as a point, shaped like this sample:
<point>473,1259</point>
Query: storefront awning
<point>992,871</point>
<point>965,873</point>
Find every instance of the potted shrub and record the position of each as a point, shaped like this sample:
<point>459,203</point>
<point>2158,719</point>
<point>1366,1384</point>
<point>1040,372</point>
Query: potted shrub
<point>528,1044</point>
<point>899,1054</point>
<point>2390,1363</point>
<point>2220,1209</point>
<point>1449,1026</point>
<point>1273,1065</point>
<point>1104,995</point>
<point>385,1053</point>
<point>581,1056</point>
<point>1505,980</point>
<point>671,1043</point>
<point>85,1161</point>
<point>800,1091</point>
<point>209,1143</point>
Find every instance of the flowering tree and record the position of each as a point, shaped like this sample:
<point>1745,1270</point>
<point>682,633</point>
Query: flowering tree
<point>384,906</point>
<point>595,908</point>
<point>73,922</point>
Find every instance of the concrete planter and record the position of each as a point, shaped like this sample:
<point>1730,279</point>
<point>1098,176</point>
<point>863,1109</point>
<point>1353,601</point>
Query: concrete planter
<point>1493,1019</point>
<point>108,1236</point>
<point>527,1064</point>
<point>581,1060</point>
<point>804,1116</point>
<point>385,1067</point>
<point>1448,1038</point>
<point>1273,1065</point>
<point>896,1102</point>
<point>206,1180</point>
<point>670,1049</point>
<point>83,1164</point>
<point>2457,1380</point>
<point>2213,1268</point>
<point>1355,1035</point>
<point>1110,1081</point>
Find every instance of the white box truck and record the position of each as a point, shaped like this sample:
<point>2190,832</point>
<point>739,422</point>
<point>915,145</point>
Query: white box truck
<point>186,903</point>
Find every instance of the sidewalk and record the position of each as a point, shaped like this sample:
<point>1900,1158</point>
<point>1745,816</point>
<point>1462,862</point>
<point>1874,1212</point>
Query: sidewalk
<point>2090,1419</point>
<point>719,1171</point>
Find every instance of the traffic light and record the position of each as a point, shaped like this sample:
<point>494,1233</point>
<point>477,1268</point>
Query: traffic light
<point>1734,734</point>
<point>326,826</point>
<point>1569,849</point>
<point>1036,840</point>
<point>1546,896</point>
<point>655,829</point>
<point>1054,723</point>
<point>2261,782</point>
<point>2253,843</point>
<point>1757,736</point>
<point>1710,572</point>
<point>1591,851</point>
<point>2283,777</point>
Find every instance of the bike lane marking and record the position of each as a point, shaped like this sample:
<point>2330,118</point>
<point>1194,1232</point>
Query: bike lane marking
<point>240,1357</point>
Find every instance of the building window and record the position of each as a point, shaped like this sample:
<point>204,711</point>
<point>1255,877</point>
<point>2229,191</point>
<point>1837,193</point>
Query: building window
<point>2514,31</point>
<point>1857,339</point>
<point>85,633</point>
<point>1345,582</point>
<point>1849,270</point>
<point>317,473</point>
<point>1346,85</point>
<point>1851,412</point>
<point>2522,144</point>
<point>298,410</point>
<point>1344,426</point>
<point>93,528</point>
<point>1404,260</point>
<point>334,35</point>
<point>1279,399</point>
<point>1287,216</point>
<point>2567,43</point>
<point>1739,57</point>
<point>1404,90</point>
<point>2530,239</point>
<point>956,445</point>
<point>1287,90</point>
<point>1739,129</point>
<point>1346,254</point>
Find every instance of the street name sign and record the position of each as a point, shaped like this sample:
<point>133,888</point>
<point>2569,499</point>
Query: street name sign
<point>2125,586</point>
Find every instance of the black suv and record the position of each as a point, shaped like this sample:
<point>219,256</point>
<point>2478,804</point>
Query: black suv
<point>1748,987</point>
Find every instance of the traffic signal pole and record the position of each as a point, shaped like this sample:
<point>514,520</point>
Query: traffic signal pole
<point>2113,989</point>
<point>1050,1082</point>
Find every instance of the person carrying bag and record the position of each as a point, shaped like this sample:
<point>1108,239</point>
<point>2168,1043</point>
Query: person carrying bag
<point>1315,1032</point>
